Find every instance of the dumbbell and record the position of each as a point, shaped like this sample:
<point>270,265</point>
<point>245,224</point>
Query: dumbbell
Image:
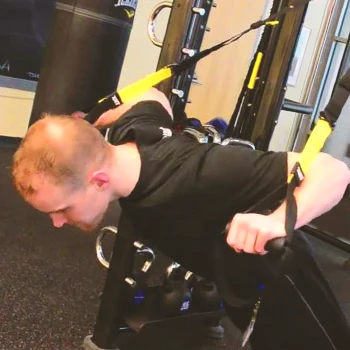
<point>174,296</point>
<point>219,124</point>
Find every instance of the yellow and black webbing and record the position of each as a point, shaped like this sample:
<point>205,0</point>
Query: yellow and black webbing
<point>319,135</point>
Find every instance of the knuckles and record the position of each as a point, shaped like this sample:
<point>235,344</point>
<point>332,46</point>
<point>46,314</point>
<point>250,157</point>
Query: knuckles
<point>244,226</point>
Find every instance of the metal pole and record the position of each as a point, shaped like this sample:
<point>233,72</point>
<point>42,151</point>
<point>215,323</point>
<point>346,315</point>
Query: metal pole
<point>275,85</point>
<point>184,35</point>
<point>242,119</point>
<point>323,50</point>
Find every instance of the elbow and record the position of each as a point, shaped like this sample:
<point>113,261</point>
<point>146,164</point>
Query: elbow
<point>159,96</point>
<point>165,103</point>
<point>337,171</point>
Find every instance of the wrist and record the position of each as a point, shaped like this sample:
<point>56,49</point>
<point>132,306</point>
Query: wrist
<point>279,215</point>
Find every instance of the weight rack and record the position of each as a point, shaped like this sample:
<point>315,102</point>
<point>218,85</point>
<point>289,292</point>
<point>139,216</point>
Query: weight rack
<point>113,316</point>
<point>184,35</point>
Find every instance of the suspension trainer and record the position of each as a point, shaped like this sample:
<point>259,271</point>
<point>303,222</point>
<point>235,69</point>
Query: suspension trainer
<point>132,91</point>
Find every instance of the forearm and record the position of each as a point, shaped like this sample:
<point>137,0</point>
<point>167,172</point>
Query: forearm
<point>111,116</point>
<point>323,188</point>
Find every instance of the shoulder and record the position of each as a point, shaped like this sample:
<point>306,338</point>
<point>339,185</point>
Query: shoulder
<point>240,166</point>
<point>144,115</point>
<point>246,157</point>
<point>149,109</point>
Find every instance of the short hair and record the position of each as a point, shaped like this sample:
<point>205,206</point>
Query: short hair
<point>60,148</point>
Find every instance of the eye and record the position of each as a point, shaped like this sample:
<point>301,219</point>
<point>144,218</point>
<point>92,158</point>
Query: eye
<point>63,211</point>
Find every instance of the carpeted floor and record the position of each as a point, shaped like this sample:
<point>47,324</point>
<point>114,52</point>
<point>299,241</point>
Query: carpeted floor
<point>50,284</point>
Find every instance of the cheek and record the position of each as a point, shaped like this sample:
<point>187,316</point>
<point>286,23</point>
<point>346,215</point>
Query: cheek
<point>87,208</point>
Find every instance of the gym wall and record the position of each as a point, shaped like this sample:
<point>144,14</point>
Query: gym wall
<point>16,104</point>
<point>222,74</point>
<point>315,21</point>
<point>15,108</point>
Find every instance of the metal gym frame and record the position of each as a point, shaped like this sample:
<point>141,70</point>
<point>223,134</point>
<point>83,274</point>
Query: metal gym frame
<point>257,109</point>
<point>184,35</point>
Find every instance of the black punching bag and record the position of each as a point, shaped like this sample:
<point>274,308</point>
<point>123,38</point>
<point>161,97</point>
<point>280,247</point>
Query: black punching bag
<point>84,54</point>
<point>24,25</point>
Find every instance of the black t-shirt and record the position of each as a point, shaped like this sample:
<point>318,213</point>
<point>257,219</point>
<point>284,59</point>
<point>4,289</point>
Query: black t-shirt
<point>187,191</point>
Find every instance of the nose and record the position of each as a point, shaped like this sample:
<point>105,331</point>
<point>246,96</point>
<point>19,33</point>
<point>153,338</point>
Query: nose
<point>58,220</point>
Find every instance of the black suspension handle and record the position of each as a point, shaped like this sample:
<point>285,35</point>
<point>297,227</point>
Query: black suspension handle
<point>276,245</point>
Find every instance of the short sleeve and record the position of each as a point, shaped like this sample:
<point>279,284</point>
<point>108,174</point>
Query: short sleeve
<point>142,116</point>
<point>241,177</point>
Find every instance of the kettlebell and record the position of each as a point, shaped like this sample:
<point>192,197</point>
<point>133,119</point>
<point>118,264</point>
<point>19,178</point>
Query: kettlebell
<point>107,230</point>
<point>220,124</point>
<point>136,293</point>
<point>205,296</point>
<point>175,295</point>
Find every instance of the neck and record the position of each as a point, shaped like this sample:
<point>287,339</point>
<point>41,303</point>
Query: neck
<point>125,169</point>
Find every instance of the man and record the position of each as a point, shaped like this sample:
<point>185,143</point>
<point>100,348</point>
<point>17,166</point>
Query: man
<point>181,195</point>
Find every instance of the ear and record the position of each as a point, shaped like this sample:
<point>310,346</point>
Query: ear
<point>100,179</point>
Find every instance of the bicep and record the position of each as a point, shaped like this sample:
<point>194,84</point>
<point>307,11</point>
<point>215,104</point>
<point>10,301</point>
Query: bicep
<point>158,96</point>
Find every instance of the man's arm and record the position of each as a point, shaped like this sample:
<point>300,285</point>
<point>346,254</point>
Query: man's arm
<point>109,117</point>
<point>323,187</point>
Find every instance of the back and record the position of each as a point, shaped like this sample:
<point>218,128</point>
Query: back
<point>187,192</point>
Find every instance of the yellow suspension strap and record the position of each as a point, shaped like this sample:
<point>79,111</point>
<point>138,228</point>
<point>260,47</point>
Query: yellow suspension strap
<point>319,135</point>
<point>128,93</point>
<point>136,89</point>
<point>258,61</point>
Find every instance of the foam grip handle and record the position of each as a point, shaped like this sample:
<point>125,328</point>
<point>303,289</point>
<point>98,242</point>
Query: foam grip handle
<point>276,245</point>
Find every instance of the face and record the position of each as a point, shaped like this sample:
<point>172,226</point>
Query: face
<point>83,208</point>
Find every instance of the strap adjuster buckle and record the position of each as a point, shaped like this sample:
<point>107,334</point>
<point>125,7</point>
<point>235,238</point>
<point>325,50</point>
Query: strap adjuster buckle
<point>298,174</point>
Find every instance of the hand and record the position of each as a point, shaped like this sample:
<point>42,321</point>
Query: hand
<point>250,232</point>
<point>106,119</point>
<point>78,115</point>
